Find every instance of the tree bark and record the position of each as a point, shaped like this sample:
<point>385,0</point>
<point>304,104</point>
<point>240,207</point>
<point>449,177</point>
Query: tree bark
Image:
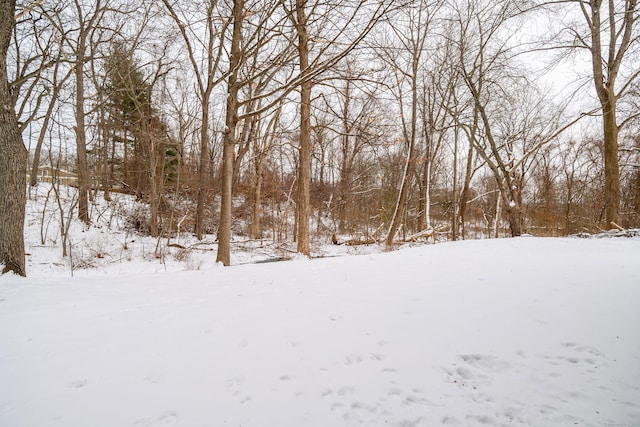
<point>229,141</point>
<point>256,230</point>
<point>56,87</point>
<point>203,170</point>
<point>13,161</point>
<point>464,194</point>
<point>611,166</point>
<point>304,171</point>
<point>404,186</point>
<point>84,183</point>
<point>606,62</point>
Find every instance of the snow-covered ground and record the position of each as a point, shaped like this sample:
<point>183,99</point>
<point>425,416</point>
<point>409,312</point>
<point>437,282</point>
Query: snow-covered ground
<point>508,332</point>
<point>112,246</point>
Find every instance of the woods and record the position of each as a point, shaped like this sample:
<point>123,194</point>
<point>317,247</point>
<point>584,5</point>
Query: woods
<point>295,121</point>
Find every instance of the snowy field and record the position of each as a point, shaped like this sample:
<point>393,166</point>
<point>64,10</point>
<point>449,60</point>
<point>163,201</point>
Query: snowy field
<point>510,332</point>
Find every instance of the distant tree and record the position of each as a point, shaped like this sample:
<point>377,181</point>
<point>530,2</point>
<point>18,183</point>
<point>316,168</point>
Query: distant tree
<point>322,39</point>
<point>132,114</point>
<point>204,45</point>
<point>514,126</point>
<point>405,55</point>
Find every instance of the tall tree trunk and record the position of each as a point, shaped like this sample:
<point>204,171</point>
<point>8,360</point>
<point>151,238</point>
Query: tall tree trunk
<point>229,141</point>
<point>13,161</point>
<point>404,186</point>
<point>304,171</point>
<point>496,219</point>
<point>606,62</point>
<point>154,176</point>
<point>611,167</point>
<point>256,232</point>
<point>81,136</point>
<point>106,133</point>
<point>345,167</point>
<point>56,86</point>
<point>464,195</point>
<point>427,193</point>
<point>401,203</point>
<point>454,196</point>
<point>203,171</point>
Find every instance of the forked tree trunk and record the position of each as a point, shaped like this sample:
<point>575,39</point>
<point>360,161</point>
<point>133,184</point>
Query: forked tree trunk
<point>401,203</point>
<point>606,60</point>
<point>13,159</point>
<point>404,186</point>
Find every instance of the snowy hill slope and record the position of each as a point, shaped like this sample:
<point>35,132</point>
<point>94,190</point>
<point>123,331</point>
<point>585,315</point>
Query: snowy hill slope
<point>510,332</point>
<point>112,246</point>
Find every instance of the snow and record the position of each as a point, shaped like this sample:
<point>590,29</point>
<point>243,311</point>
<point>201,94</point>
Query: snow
<point>506,332</point>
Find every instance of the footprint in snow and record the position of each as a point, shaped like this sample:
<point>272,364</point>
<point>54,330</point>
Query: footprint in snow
<point>77,384</point>
<point>353,359</point>
<point>169,418</point>
<point>234,385</point>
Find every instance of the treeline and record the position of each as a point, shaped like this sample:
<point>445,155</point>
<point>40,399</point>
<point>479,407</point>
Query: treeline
<point>375,121</point>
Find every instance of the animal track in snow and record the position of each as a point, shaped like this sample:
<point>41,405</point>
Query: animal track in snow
<point>353,359</point>
<point>234,384</point>
<point>168,418</point>
<point>77,384</point>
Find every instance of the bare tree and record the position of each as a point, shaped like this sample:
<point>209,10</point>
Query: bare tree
<point>316,55</point>
<point>515,121</point>
<point>87,24</point>
<point>13,161</point>
<point>229,142</point>
<point>611,37</point>
<point>205,47</point>
<point>81,26</point>
<point>262,145</point>
<point>405,56</point>
<point>57,83</point>
<point>351,114</point>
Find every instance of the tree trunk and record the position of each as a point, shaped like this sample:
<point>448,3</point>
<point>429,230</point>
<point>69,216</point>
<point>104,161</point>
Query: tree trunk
<point>154,176</point>
<point>427,194</point>
<point>256,232</point>
<point>13,161</point>
<point>202,170</point>
<point>496,219</point>
<point>229,141</point>
<point>514,211</point>
<point>464,195</point>
<point>454,195</point>
<point>33,179</point>
<point>304,171</point>
<point>81,136</point>
<point>404,187</point>
<point>345,166</point>
<point>611,166</point>
<point>402,200</point>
